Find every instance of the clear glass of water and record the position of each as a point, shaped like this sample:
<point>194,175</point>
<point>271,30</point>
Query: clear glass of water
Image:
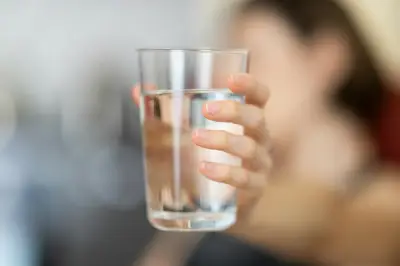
<point>175,85</point>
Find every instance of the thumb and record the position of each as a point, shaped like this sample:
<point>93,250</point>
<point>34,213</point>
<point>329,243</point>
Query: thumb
<point>136,94</point>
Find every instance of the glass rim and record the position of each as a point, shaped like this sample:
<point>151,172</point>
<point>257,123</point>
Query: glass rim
<point>196,50</point>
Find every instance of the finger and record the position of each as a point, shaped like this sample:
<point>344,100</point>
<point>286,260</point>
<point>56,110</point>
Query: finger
<point>136,91</point>
<point>249,116</point>
<point>255,157</point>
<point>241,146</point>
<point>136,94</point>
<point>148,105</point>
<point>232,175</point>
<point>246,85</point>
<point>148,102</point>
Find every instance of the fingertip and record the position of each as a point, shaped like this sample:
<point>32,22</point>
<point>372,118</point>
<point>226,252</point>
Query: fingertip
<point>136,94</point>
<point>213,171</point>
<point>194,135</point>
<point>204,110</point>
<point>240,81</point>
<point>212,109</point>
<point>206,169</point>
<point>232,84</point>
<point>245,84</point>
<point>196,139</point>
<point>203,166</point>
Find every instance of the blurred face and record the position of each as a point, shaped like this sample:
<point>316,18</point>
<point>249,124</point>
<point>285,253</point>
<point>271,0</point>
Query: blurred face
<point>297,74</point>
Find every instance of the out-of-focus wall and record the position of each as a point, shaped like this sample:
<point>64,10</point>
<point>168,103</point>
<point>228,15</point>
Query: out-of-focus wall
<point>214,15</point>
<point>69,132</point>
<point>71,64</point>
<point>54,47</point>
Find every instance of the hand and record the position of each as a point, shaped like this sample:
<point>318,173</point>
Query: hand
<point>252,147</point>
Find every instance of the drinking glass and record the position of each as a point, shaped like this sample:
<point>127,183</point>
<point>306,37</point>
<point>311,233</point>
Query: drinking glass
<point>175,85</point>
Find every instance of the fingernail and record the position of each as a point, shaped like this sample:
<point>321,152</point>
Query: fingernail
<point>212,108</point>
<point>200,133</point>
<point>207,166</point>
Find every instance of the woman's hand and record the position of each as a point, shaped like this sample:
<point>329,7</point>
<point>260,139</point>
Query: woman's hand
<point>252,147</point>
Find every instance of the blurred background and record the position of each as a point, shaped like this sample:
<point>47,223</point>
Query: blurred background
<point>71,188</point>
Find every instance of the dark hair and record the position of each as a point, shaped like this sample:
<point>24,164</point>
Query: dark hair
<point>362,92</point>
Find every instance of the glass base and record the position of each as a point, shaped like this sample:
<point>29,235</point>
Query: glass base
<point>191,222</point>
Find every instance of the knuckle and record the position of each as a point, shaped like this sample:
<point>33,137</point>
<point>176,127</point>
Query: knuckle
<point>251,150</point>
<point>224,139</point>
<point>261,181</point>
<point>235,109</point>
<point>259,120</point>
<point>229,173</point>
<point>243,179</point>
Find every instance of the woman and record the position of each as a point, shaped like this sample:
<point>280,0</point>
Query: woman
<point>314,88</point>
